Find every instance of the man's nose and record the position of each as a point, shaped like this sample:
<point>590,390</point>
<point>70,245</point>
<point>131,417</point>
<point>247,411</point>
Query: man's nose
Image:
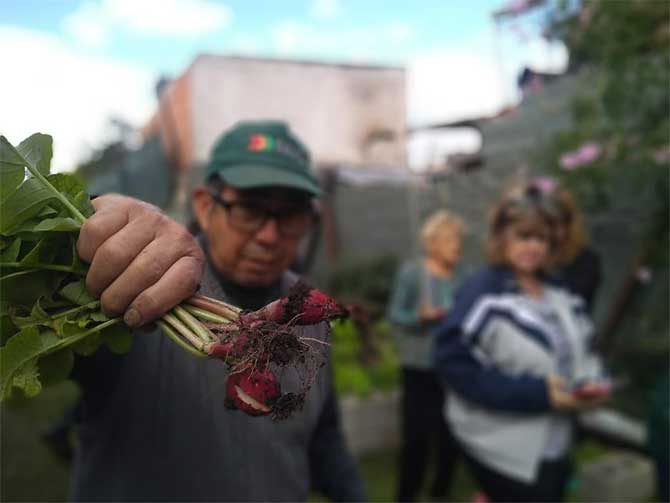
<point>269,233</point>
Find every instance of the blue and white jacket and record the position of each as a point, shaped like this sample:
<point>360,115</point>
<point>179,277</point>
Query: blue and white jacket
<point>495,353</point>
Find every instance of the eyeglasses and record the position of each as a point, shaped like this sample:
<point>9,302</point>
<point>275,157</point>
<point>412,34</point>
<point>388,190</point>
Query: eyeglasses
<point>247,216</point>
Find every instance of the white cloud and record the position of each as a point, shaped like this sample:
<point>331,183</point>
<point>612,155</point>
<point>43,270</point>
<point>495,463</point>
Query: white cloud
<point>54,89</point>
<point>474,79</point>
<point>94,21</point>
<point>87,25</point>
<point>325,9</point>
<point>454,84</point>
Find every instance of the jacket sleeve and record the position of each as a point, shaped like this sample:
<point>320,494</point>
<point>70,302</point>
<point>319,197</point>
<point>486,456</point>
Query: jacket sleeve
<point>403,309</point>
<point>466,370</point>
<point>333,470</point>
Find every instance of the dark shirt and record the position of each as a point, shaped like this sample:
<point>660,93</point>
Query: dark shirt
<point>154,428</point>
<point>583,276</point>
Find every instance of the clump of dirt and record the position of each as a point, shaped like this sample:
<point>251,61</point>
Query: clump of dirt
<point>257,345</point>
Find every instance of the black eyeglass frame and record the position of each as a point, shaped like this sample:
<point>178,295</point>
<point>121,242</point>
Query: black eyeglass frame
<point>276,215</point>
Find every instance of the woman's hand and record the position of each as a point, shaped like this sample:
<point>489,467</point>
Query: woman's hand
<point>430,314</point>
<point>563,399</point>
<point>142,262</point>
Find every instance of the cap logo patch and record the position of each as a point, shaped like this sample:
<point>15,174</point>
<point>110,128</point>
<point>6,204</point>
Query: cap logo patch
<point>260,143</point>
<point>265,143</point>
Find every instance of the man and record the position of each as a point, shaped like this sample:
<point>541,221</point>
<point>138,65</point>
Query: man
<point>154,424</point>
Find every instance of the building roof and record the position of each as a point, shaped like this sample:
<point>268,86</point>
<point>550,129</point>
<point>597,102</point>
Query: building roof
<point>305,62</point>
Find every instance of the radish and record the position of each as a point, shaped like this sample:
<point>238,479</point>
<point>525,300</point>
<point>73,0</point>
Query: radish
<point>302,306</point>
<point>253,391</point>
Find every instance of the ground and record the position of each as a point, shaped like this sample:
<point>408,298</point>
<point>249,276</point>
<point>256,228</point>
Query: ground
<point>31,472</point>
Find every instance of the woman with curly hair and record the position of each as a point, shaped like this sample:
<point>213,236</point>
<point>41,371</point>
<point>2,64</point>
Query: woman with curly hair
<point>514,354</point>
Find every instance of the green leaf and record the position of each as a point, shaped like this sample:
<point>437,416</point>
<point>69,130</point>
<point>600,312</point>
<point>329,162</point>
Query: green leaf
<point>58,224</point>
<point>42,253</point>
<point>56,367</point>
<point>118,338</point>
<point>11,253</point>
<point>76,292</point>
<point>47,212</point>
<point>115,339</point>
<point>99,316</point>
<point>37,316</point>
<point>12,170</point>
<point>67,183</point>
<point>88,345</point>
<point>83,202</point>
<point>37,149</point>
<point>25,287</point>
<point>7,328</point>
<point>24,203</point>
<point>27,379</point>
<point>21,349</point>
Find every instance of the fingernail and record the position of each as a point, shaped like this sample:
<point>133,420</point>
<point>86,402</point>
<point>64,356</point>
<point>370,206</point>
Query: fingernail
<point>132,318</point>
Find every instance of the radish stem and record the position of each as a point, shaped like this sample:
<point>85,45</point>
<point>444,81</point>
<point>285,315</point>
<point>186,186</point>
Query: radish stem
<point>221,309</point>
<point>90,305</point>
<point>192,322</point>
<point>167,329</point>
<point>209,300</point>
<point>205,315</point>
<point>184,331</point>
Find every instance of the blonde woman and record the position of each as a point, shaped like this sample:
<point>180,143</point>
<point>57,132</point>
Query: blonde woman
<point>421,298</point>
<point>514,354</point>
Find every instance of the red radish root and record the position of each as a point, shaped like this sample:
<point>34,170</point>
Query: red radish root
<point>303,306</point>
<point>257,344</point>
<point>253,391</point>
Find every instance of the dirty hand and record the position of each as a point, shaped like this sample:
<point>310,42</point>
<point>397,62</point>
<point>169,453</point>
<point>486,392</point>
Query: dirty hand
<point>142,262</point>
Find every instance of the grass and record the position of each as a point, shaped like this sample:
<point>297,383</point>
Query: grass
<point>379,470</point>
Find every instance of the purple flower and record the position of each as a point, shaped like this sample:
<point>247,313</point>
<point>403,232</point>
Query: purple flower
<point>584,155</point>
<point>544,184</point>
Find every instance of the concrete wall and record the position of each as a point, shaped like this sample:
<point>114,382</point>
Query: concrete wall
<point>345,114</point>
<point>372,423</point>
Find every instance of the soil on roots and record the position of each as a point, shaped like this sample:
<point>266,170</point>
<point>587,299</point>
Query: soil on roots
<point>266,345</point>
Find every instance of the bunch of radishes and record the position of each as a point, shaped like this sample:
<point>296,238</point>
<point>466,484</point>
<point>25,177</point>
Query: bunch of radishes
<point>253,343</point>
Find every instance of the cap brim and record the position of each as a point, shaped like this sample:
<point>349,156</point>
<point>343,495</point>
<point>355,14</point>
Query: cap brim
<point>255,176</point>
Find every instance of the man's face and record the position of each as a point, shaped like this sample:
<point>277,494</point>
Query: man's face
<point>253,234</point>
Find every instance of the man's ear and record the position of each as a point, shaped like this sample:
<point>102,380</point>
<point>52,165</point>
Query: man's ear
<point>201,203</point>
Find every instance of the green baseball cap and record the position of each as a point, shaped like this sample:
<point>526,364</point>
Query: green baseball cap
<point>262,154</point>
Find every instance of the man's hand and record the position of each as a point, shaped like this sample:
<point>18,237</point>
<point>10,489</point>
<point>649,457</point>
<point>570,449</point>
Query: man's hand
<point>142,262</point>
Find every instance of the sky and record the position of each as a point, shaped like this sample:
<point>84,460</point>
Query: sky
<point>72,65</point>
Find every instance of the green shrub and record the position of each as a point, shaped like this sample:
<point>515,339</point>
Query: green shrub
<point>367,282</point>
<point>362,368</point>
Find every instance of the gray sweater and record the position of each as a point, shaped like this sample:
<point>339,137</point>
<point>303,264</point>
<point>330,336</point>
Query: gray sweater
<point>157,430</point>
